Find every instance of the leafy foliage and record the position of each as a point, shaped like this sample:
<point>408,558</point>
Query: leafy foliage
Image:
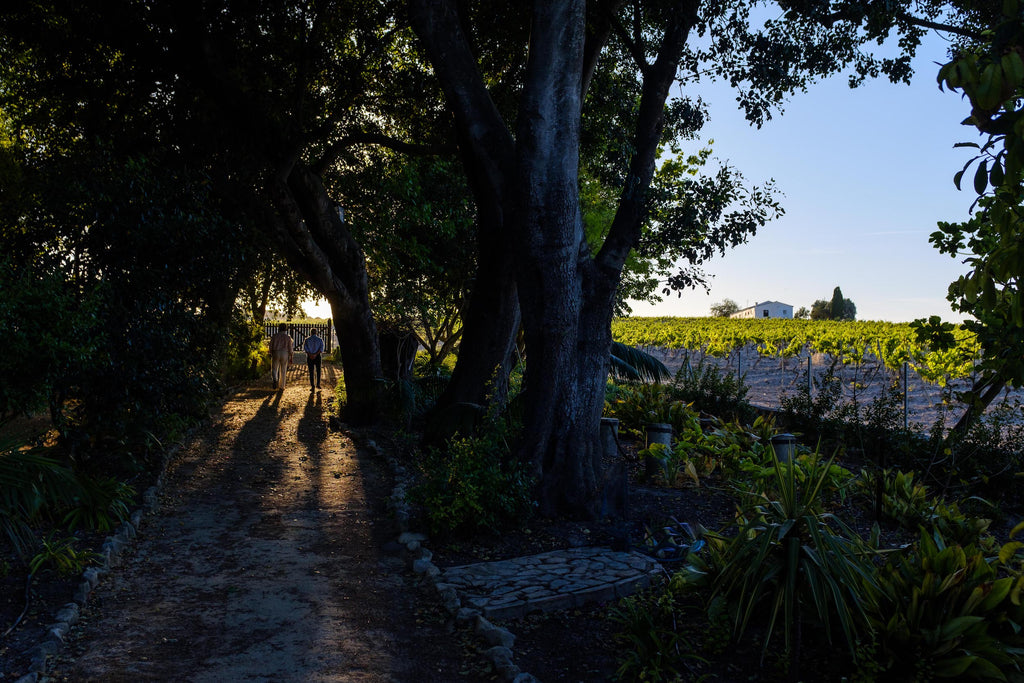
<point>60,555</point>
<point>943,610</point>
<point>989,71</point>
<point>650,634</point>
<point>847,341</point>
<point>724,308</point>
<point>793,559</point>
<point>31,484</point>
<point>636,365</point>
<point>474,483</point>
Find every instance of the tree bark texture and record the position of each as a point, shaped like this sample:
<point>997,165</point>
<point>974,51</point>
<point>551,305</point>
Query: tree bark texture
<point>566,295</point>
<point>310,233</point>
<point>317,244</point>
<point>491,319</point>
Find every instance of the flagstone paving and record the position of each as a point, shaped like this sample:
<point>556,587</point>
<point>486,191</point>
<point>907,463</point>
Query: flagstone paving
<point>560,579</point>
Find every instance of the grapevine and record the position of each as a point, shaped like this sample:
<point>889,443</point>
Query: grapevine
<point>891,344</point>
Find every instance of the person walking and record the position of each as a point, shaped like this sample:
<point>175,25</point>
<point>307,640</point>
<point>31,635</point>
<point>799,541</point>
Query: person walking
<point>314,348</point>
<point>281,353</point>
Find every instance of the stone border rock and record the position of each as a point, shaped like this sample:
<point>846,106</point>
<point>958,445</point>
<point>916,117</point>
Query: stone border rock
<point>109,557</point>
<point>501,640</point>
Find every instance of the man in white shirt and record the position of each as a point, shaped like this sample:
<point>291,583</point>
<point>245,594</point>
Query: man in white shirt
<point>281,351</point>
<point>314,348</point>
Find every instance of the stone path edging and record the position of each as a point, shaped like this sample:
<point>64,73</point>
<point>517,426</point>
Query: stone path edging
<point>109,557</point>
<point>501,640</point>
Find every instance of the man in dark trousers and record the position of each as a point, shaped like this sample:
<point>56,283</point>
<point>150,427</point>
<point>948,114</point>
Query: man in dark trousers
<point>314,348</point>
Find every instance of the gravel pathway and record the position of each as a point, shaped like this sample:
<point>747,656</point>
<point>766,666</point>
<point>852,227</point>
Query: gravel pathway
<point>269,560</point>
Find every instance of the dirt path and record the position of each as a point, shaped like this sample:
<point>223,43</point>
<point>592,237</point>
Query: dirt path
<point>267,562</point>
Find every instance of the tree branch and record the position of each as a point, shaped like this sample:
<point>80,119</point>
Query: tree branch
<point>830,20</point>
<point>625,229</point>
<point>946,28</point>
<point>599,28</point>
<point>332,153</point>
<point>635,50</point>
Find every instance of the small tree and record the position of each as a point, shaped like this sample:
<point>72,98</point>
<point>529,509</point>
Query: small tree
<point>724,309</point>
<point>849,310</point>
<point>821,310</point>
<point>838,306</point>
<point>802,313</point>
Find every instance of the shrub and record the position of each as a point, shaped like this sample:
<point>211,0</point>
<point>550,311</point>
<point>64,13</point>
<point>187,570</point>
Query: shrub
<point>789,558</point>
<point>822,412</point>
<point>31,484</point>
<point>101,503</point>
<point>638,405</point>
<point>651,639</point>
<point>836,480</point>
<point>474,483</point>
<point>713,390</point>
<point>907,503</point>
<point>245,355</point>
<point>944,611</point>
<point>60,555</point>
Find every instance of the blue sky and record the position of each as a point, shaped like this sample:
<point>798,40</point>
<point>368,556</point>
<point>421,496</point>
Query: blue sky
<point>865,175</point>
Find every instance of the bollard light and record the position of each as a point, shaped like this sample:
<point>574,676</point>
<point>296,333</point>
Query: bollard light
<point>784,446</point>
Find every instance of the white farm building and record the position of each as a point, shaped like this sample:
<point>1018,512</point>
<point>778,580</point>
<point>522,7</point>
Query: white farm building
<point>768,309</point>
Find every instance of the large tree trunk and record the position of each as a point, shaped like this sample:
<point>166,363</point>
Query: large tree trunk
<point>318,244</point>
<point>491,319</point>
<point>562,420</point>
<point>490,324</point>
<point>565,294</point>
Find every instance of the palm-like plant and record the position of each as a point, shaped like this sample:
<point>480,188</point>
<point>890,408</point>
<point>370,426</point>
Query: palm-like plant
<point>795,559</point>
<point>629,362</point>
<point>29,483</point>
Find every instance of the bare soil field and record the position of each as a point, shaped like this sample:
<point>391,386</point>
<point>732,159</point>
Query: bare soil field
<point>771,379</point>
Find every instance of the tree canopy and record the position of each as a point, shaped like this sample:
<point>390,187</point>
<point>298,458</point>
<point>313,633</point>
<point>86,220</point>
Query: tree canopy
<point>575,124</point>
<point>724,308</point>
<point>987,67</point>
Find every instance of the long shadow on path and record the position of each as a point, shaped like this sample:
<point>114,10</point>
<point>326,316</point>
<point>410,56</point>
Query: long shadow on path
<point>264,564</point>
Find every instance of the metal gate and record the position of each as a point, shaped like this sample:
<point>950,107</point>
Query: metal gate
<point>299,332</point>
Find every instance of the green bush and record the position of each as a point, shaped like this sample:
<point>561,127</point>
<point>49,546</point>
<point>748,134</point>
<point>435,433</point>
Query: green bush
<point>60,555</point>
<point>653,646</point>
<point>101,503</point>
<point>246,355</point>
<point>907,503</point>
<point>713,390</point>
<point>31,486</point>
<point>474,483</point>
<point>638,405</point>
<point>789,562</point>
<point>947,611</point>
<point>836,483</point>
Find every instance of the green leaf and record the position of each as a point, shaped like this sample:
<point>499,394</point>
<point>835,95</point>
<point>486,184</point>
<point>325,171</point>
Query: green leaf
<point>995,176</point>
<point>958,626</point>
<point>981,177</point>
<point>952,667</point>
<point>1008,550</point>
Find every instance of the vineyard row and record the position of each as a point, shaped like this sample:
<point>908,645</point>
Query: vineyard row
<point>891,344</point>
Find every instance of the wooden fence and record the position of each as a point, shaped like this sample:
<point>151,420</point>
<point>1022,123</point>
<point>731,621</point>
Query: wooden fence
<point>299,332</point>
